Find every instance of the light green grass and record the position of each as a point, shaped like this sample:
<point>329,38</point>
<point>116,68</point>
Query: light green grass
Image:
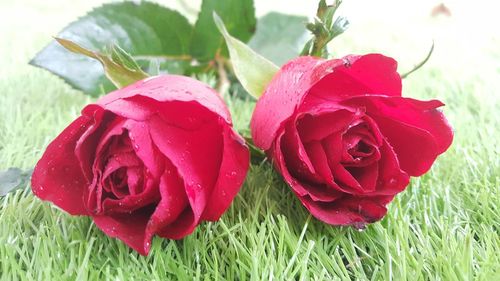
<point>445,226</point>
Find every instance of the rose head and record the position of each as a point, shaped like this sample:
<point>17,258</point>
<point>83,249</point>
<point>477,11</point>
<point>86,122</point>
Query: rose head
<point>343,137</point>
<point>156,157</point>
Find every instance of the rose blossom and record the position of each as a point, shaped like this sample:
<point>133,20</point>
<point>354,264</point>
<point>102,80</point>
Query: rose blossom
<point>343,137</point>
<point>156,157</point>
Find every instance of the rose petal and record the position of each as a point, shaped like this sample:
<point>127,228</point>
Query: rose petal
<point>318,158</point>
<point>134,176</point>
<point>57,176</point>
<point>86,145</point>
<point>391,179</point>
<point>295,155</point>
<point>282,97</point>
<point>173,202</point>
<point>139,134</point>
<point>369,74</point>
<point>232,173</point>
<point>167,88</point>
<point>416,130</point>
<point>321,126</point>
<point>366,176</point>
<point>197,155</point>
<point>318,192</point>
<point>364,75</point>
<point>344,181</point>
<point>347,210</point>
<point>182,226</point>
<point>130,228</point>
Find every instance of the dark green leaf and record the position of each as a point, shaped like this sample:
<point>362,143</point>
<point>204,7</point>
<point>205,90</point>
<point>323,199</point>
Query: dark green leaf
<point>280,37</point>
<point>146,30</point>
<point>13,179</point>
<point>239,17</point>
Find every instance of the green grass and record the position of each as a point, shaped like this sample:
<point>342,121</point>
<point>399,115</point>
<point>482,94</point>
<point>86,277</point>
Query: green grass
<point>445,226</point>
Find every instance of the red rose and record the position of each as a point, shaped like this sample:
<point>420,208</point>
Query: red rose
<point>343,137</point>
<point>156,157</point>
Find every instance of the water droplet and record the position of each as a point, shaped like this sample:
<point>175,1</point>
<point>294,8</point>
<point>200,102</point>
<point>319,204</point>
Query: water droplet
<point>224,193</point>
<point>359,226</point>
<point>136,146</point>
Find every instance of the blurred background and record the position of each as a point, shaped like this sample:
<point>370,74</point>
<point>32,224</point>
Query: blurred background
<point>465,32</point>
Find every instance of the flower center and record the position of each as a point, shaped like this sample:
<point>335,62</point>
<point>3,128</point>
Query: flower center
<point>360,146</point>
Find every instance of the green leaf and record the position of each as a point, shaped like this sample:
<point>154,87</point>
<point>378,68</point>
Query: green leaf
<point>280,37</point>
<point>146,30</point>
<point>253,70</point>
<point>13,179</point>
<point>119,66</point>
<point>239,16</point>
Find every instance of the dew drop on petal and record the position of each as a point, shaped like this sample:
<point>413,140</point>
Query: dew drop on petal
<point>359,226</point>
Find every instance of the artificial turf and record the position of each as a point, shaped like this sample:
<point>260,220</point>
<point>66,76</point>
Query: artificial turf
<point>445,226</point>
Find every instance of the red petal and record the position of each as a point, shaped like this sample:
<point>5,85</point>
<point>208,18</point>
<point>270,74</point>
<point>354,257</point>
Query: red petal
<point>369,74</point>
<point>321,126</point>
<point>416,130</point>
<point>282,97</point>
<point>167,88</point>
<point>173,202</point>
<point>391,179</point>
<point>139,134</point>
<point>57,176</point>
<point>318,192</point>
<point>130,228</point>
<point>295,155</point>
<point>197,155</point>
<point>318,158</point>
<point>85,149</point>
<point>364,75</point>
<point>347,210</point>
<point>366,176</point>
<point>345,182</point>
<point>232,173</point>
<point>132,202</point>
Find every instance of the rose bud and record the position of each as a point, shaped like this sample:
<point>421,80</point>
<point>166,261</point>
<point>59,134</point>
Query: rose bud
<point>156,157</point>
<point>344,138</point>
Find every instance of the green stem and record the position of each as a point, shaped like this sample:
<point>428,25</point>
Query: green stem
<point>416,67</point>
